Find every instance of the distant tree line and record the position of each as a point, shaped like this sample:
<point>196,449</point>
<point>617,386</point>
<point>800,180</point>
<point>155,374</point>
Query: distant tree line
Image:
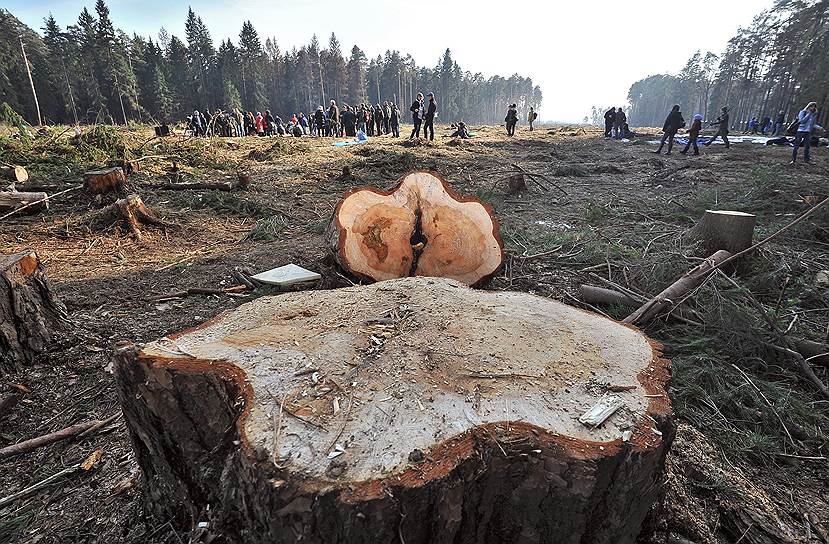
<point>92,72</point>
<point>779,63</point>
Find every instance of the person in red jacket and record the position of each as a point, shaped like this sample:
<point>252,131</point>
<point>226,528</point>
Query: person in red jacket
<point>693,134</point>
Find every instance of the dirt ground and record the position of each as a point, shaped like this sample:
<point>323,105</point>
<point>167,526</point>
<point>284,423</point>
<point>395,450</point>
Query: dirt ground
<point>603,204</point>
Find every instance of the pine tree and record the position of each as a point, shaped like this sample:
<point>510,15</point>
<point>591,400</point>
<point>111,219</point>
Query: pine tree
<point>251,59</point>
<point>356,77</point>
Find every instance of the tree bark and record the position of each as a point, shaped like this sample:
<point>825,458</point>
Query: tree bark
<point>17,174</point>
<point>105,180</point>
<point>681,287</point>
<point>723,229</point>
<point>30,313</point>
<point>11,200</point>
<point>409,411</point>
<point>421,227</point>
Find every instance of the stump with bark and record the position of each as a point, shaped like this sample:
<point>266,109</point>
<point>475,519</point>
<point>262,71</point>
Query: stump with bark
<point>35,202</point>
<point>130,211</point>
<point>725,229</point>
<point>14,173</point>
<point>413,410</point>
<point>30,313</point>
<point>105,180</point>
<point>421,227</point>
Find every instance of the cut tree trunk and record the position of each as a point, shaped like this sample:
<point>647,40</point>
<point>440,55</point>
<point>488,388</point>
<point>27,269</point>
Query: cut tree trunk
<point>665,300</point>
<point>14,173</point>
<point>414,410</point>
<point>724,229</point>
<point>30,314</point>
<point>105,180</point>
<point>130,210</point>
<point>421,227</point>
<point>11,200</point>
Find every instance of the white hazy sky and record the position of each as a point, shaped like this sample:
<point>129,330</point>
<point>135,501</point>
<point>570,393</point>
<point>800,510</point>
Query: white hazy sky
<point>582,53</point>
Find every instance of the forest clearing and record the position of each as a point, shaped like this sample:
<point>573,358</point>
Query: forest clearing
<point>749,457</point>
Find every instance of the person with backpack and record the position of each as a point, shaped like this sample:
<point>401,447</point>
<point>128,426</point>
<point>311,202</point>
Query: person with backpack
<point>429,118</point>
<point>807,123</point>
<point>531,117</point>
<point>609,117</point>
<point>722,131</point>
<point>618,122</point>
<point>511,119</point>
<point>693,134</point>
<point>673,123</point>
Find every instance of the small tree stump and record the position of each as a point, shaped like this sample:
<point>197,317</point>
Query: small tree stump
<point>413,410</point>
<point>30,313</point>
<point>517,183</point>
<point>724,229</point>
<point>14,173</point>
<point>11,200</point>
<point>130,210</point>
<point>421,227</point>
<point>128,166</point>
<point>105,180</point>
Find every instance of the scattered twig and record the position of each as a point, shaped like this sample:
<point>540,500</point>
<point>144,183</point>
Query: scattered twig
<point>69,432</point>
<point>763,396</point>
<point>83,466</point>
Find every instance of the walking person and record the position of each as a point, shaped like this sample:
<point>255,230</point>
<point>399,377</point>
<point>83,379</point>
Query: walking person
<point>808,123</point>
<point>417,115</point>
<point>693,134</point>
<point>619,121</point>
<point>511,119</point>
<point>673,123</point>
<point>609,117</point>
<point>429,118</point>
<point>722,123</point>
<point>531,117</point>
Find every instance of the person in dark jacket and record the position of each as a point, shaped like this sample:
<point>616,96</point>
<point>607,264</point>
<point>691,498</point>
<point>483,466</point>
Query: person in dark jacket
<point>378,119</point>
<point>395,121</point>
<point>722,123</point>
<point>511,119</point>
<point>319,120</point>
<point>417,115</point>
<point>609,118</point>
<point>779,124</point>
<point>693,134</point>
<point>673,123</point>
<point>618,122</point>
<point>333,118</point>
<point>429,118</point>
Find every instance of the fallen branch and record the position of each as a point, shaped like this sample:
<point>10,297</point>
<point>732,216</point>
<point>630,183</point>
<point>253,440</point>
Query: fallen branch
<point>600,295</point>
<point>46,199</point>
<point>83,466</point>
<point>200,291</point>
<point>533,178</point>
<point>677,290</point>
<point>34,443</point>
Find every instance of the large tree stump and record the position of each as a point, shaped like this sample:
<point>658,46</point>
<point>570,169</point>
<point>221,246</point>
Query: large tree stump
<point>421,227</point>
<point>724,229</point>
<point>413,410</point>
<point>30,313</point>
<point>12,200</point>
<point>105,180</point>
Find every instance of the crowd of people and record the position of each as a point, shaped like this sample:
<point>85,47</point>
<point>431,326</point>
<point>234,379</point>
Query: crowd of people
<point>803,129</point>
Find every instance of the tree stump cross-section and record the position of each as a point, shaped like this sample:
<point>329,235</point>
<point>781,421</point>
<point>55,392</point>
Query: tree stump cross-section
<point>413,410</point>
<point>421,227</point>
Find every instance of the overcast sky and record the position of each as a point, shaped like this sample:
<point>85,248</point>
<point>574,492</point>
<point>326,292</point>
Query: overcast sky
<point>582,53</point>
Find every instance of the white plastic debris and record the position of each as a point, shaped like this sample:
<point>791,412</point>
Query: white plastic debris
<point>600,411</point>
<point>286,275</point>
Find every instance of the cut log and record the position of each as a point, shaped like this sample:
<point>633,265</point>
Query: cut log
<point>17,174</point>
<point>516,183</point>
<point>724,229</point>
<point>421,227</point>
<point>12,200</point>
<point>413,410</point>
<point>673,293</point>
<point>105,180</point>
<point>30,313</point>
<point>130,210</point>
<point>600,295</point>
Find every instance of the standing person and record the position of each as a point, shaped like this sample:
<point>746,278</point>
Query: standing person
<point>386,117</point>
<point>369,119</point>
<point>303,122</point>
<point>319,121</point>
<point>722,123</point>
<point>511,119</point>
<point>693,134</point>
<point>250,124</point>
<point>206,118</point>
<point>195,123</point>
<point>619,121</point>
<point>673,123</point>
<point>240,121</point>
<point>531,117</point>
<point>779,123</point>
<point>395,121</point>
<point>417,115</point>
<point>429,118</point>
<point>808,123</point>
<point>333,117</point>
<point>609,117</point>
<point>270,123</point>
<point>378,118</point>
<point>260,124</point>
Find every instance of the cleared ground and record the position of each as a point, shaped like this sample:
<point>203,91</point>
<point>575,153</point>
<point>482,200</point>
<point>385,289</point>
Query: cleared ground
<point>622,214</point>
